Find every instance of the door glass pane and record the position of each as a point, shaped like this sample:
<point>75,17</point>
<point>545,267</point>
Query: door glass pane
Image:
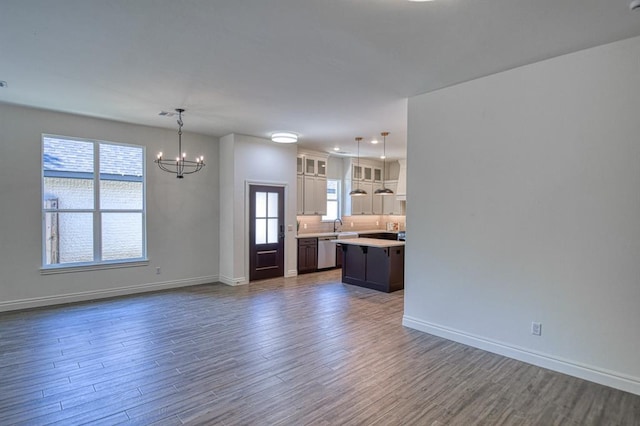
<point>261,204</point>
<point>322,167</point>
<point>273,204</point>
<point>273,231</point>
<point>68,238</point>
<point>121,236</point>
<point>261,231</point>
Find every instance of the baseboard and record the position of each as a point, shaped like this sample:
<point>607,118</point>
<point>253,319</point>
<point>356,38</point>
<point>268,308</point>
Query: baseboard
<point>38,302</point>
<point>291,273</point>
<point>233,281</point>
<point>593,374</point>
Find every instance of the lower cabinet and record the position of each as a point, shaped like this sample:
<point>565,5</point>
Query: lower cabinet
<point>307,255</point>
<point>378,268</point>
<point>338,255</point>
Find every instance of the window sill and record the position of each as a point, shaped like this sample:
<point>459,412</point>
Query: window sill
<point>63,269</point>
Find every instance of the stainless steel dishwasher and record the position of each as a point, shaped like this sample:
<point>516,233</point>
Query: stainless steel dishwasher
<point>326,252</point>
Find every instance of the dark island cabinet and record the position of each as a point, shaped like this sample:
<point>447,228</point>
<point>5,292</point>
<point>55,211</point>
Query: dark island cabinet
<point>307,255</point>
<point>378,268</point>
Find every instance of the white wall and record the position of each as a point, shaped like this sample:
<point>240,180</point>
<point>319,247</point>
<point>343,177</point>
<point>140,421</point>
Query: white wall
<point>253,160</point>
<point>525,206</point>
<point>182,214</point>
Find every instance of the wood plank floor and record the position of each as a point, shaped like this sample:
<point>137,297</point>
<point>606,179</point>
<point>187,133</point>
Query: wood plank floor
<point>304,350</point>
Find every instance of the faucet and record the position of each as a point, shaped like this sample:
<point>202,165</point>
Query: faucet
<point>335,228</point>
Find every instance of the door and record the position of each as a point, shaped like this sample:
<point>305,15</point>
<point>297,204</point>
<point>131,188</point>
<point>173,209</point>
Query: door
<point>266,232</point>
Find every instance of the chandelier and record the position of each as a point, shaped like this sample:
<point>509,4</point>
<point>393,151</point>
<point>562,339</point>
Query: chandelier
<point>181,166</point>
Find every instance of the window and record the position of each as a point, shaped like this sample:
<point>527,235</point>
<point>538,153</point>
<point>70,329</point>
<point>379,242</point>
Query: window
<point>333,200</point>
<point>93,202</point>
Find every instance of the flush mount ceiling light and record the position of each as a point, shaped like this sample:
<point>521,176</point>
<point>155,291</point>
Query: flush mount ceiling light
<point>3,83</point>
<point>383,190</point>
<point>358,192</point>
<point>181,166</point>
<point>284,137</point>
<point>374,141</point>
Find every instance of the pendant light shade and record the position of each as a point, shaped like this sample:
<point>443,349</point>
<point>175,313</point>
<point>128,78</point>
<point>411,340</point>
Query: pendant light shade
<point>384,190</point>
<point>357,191</point>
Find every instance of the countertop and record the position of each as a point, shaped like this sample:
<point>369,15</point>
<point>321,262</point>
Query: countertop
<point>372,242</point>
<point>335,234</point>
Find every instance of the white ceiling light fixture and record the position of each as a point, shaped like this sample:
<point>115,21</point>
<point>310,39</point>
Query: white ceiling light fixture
<point>284,137</point>
<point>383,190</point>
<point>181,166</point>
<point>374,141</point>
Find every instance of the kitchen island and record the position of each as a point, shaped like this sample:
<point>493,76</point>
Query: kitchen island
<point>373,263</point>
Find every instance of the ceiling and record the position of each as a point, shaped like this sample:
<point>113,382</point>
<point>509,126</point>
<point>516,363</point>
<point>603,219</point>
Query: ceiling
<point>329,70</point>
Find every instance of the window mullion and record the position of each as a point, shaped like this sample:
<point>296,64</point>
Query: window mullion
<point>97,219</point>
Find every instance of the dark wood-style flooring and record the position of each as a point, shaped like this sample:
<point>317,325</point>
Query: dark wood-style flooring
<point>304,350</point>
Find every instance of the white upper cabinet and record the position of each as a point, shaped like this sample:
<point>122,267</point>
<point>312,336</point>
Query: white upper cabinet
<point>401,194</point>
<point>312,184</point>
<point>314,166</point>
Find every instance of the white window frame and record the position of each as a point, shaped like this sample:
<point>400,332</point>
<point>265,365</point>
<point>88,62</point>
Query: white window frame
<point>338,200</point>
<point>97,263</point>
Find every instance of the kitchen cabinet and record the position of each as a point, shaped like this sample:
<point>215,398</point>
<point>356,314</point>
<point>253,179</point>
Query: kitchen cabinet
<point>312,185</point>
<point>300,195</point>
<point>314,166</point>
<point>376,200</point>
<point>391,204</point>
<point>366,172</point>
<point>314,195</point>
<point>362,204</point>
<point>374,264</point>
<point>377,174</point>
<point>307,255</point>
<point>300,164</point>
<point>401,193</point>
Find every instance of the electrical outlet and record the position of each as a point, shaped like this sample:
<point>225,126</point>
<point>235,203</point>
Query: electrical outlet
<point>377,223</point>
<point>536,328</point>
<point>305,226</point>
<point>157,271</point>
<point>352,224</point>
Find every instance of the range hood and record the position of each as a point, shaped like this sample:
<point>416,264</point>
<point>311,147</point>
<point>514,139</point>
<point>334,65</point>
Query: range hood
<point>401,192</point>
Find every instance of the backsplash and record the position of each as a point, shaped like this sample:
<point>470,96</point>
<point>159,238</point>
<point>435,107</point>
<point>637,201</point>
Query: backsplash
<point>349,223</point>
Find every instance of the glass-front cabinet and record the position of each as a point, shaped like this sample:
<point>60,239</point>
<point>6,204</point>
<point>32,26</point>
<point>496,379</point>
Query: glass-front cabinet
<point>315,166</point>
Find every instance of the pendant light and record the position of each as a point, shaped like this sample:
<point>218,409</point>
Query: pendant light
<point>383,190</point>
<point>358,192</point>
<point>181,166</point>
